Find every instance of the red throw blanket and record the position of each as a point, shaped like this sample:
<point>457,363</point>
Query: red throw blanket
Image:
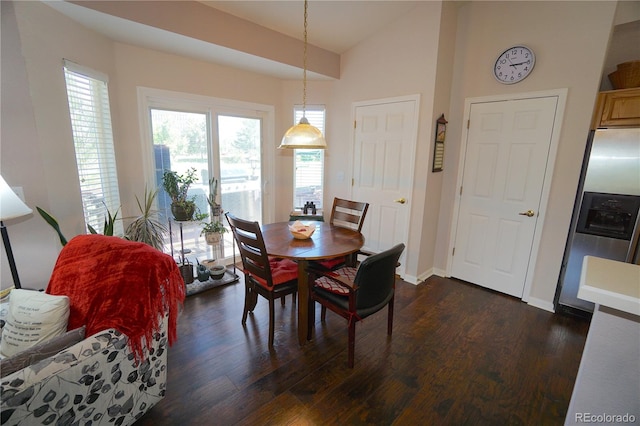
<point>115,283</point>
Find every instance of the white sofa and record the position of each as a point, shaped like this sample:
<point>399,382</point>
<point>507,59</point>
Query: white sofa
<point>95,381</point>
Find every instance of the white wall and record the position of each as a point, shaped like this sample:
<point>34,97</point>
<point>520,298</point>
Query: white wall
<point>570,41</point>
<point>37,148</point>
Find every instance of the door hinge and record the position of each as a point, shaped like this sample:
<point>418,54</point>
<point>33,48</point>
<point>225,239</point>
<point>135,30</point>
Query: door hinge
<point>468,123</point>
<point>354,124</point>
<point>353,181</point>
<point>461,190</point>
<point>453,253</point>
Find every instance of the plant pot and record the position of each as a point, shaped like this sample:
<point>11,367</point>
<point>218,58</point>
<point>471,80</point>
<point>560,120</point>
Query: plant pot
<point>186,270</point>
<point>212,238</point>
<point>217,271</point>
<point>183,212</point>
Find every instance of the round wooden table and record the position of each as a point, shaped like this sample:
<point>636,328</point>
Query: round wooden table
<point>327,242</point>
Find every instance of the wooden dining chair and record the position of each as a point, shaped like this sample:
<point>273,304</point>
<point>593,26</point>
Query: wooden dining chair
<point>346,214</point>
<point>269,277</point>
<point>355,293</point>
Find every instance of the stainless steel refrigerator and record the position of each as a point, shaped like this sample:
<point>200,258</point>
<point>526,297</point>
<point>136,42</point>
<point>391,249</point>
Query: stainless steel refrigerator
<point>605,220</point>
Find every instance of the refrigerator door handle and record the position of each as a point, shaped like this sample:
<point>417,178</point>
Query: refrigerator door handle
<point>633,254</point>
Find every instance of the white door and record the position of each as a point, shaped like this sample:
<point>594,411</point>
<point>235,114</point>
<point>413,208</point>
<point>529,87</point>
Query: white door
<point>384,153</point>
<point>506,158</point>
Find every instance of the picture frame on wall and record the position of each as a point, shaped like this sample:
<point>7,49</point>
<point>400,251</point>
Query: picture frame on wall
<point>438,146</point>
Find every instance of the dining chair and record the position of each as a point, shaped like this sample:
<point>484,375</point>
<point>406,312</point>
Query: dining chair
<point>270,277</point>
<point>355,293</point>
<point>346,214</point>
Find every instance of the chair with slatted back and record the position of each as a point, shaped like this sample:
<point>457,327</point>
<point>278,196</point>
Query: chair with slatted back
<point>346,214</point>
<point>272,278</point>
<point>356,293</point>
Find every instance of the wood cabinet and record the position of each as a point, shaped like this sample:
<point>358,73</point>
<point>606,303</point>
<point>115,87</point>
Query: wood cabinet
<point>617,108</point>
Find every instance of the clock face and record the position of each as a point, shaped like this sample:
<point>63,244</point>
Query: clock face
<point>514,64</point>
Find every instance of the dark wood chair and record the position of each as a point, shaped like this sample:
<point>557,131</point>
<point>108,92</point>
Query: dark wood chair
<point>346,214</point>
<point>272,278</point>
<point>355,293</point>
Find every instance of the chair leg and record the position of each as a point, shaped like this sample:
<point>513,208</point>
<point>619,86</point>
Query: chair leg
<point>271,322</point>
<point>248,295</point>
<point>390,318</point>
<point>352,343</point>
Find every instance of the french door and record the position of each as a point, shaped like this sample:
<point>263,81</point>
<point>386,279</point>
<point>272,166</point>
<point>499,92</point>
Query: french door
<point>224,151</point>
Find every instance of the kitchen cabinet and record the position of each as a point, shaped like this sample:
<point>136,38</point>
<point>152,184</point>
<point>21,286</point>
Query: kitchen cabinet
<point>617,108</point>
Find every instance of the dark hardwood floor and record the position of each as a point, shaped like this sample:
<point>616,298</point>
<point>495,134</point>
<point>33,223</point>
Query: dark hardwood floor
<point>459,355</point>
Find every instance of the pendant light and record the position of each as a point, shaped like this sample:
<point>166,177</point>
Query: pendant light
<point>303,135</point>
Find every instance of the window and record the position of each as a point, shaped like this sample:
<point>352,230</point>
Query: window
<point>93,140</point>
<point>309,163</point>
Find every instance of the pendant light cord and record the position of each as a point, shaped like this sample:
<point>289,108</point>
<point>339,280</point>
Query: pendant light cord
<point>304,64</point>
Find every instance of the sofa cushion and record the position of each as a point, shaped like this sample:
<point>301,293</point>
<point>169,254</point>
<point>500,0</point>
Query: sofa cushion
<point>33,317</point>
<point>41,351</point>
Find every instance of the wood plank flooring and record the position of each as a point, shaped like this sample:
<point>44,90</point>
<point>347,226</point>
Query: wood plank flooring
<point>459,355</point>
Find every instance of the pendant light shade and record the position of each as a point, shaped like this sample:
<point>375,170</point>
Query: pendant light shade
<point>303,135</point>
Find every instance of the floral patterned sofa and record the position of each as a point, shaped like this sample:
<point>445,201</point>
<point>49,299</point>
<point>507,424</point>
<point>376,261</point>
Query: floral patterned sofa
<point>128,305</point>
<point>95,381</point>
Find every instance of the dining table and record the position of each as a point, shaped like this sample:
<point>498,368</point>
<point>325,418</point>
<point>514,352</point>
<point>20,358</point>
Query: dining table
<point>328,241</point>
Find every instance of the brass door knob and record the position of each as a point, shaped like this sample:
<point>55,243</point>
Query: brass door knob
<point>528,213</point>
<point>400,200</point>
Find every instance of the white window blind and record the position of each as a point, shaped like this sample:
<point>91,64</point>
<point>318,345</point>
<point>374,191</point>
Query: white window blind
<point>88,98</point>
<point>309,163</point>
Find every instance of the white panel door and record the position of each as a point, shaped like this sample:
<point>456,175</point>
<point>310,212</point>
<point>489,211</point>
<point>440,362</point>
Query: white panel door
<point>506,158</point>
<point>384,154</point>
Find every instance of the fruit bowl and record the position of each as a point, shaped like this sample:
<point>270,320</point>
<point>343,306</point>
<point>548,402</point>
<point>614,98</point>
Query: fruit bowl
<point>300,231</point>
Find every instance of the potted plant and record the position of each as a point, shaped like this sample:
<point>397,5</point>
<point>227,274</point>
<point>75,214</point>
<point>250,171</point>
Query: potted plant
<point>213,196</point>
<point>147,228</point>
<point>213,231</point>
<point>177,187</point>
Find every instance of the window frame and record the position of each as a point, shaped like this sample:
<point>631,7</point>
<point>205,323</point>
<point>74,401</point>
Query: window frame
<point>92,130</point>
<point>310,111</point>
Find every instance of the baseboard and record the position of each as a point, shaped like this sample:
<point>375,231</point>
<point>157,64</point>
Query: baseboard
<point>541,304</point>
<point>415,280</point>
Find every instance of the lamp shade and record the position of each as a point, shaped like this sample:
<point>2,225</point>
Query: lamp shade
<point>11,206</point>
<point>303,136</point>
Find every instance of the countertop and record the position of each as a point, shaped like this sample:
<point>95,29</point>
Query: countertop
<point>611,283</point>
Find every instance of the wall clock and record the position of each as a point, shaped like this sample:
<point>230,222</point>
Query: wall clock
<point>514,64</point>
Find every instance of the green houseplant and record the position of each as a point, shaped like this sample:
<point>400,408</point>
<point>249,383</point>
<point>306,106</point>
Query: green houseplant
<point>177,187</point>
<point>147,228</point>
<point>212,199</point>
<point>213,231</point>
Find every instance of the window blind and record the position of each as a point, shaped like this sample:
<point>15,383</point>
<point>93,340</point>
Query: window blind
<point>88,98</point>
<point>309,163</point>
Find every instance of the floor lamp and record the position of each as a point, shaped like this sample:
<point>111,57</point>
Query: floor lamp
<point>11,207</point>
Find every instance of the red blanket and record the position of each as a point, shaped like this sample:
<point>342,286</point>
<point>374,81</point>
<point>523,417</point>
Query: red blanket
<point>115,283</point>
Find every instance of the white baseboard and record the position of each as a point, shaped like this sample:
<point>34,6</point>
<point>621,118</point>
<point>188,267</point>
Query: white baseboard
<point>541,304</point>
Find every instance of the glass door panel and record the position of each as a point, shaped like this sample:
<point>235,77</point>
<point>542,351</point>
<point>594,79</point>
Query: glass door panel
<point>240,169</point>
<point>180,144</point>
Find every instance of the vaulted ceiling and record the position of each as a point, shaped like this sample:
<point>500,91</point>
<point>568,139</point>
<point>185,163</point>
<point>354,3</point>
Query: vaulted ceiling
<point>333,28</point>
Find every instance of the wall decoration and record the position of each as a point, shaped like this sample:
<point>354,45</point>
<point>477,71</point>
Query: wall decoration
<point>438,146</point>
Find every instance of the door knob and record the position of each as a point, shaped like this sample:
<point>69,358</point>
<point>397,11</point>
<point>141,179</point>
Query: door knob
<point>400,200</point>
<point>528,213</point>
